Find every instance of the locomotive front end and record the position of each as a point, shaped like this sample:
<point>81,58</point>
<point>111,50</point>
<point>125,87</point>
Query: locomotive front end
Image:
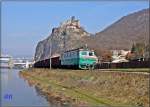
<point>87,59</point>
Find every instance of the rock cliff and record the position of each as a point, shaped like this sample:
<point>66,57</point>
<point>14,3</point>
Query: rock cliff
<point>65,37</point>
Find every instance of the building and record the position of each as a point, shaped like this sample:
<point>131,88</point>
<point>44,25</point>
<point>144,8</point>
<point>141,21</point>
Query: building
<point>119,56</point>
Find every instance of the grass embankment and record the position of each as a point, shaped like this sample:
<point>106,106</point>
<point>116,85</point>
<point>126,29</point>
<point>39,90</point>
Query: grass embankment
<point>96,88</point>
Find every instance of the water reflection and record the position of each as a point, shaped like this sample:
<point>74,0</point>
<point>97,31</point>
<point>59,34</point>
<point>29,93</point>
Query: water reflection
<point>6,76</point>
<point>22,94</point>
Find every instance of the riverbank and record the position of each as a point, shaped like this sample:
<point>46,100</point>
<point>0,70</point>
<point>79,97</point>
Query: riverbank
<point>86,88</point>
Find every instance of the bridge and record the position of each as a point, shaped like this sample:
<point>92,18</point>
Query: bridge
<point>7,61</point>
<point>26,64</point>
<point>22,62</point>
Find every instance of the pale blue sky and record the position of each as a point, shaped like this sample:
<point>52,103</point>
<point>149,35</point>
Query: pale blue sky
<point>24,24</point>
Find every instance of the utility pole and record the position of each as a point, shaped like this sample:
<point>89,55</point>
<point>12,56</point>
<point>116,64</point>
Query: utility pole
<point>50,65</point>
<point>64,38</point>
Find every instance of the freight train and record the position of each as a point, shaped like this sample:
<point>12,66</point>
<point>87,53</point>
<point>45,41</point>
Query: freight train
<point>79,58</point>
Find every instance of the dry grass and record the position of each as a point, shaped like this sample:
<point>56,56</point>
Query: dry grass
<point>97,87</point>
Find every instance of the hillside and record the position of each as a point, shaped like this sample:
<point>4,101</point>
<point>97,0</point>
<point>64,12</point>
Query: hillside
<point>123,33</point>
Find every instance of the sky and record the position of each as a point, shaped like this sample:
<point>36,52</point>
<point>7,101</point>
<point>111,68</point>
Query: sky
<point>24,24</point>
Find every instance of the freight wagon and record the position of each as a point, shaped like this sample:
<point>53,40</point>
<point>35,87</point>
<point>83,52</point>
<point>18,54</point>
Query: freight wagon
<point>55,63</point>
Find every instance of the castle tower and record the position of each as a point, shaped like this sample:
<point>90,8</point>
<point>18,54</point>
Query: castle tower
<point>72,18</point>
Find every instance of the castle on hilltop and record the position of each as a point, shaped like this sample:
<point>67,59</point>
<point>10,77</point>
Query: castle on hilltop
<point>71,23</point>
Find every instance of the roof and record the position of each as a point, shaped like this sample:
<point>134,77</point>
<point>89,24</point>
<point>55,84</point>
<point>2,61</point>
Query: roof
<point>78,49</point>
<point>120,60</point>
<point>55,55</point>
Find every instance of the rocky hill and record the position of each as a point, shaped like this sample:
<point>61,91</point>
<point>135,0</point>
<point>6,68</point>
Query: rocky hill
<point>120,35</point>
<point>65,37</point>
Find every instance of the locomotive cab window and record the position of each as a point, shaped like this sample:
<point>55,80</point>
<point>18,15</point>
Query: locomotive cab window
<point>91,54</point>
<point>84,53</point>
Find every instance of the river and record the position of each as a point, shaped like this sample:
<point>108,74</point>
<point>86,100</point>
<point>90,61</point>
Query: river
<point>15,91</point>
